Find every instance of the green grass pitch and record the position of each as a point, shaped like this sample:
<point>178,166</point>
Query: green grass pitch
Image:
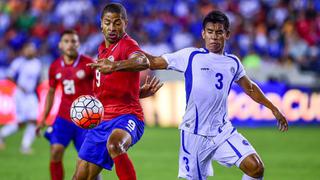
<point>294,155</point>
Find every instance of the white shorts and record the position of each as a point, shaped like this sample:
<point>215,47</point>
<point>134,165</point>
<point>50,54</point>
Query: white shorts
<point>26,106</point>
<point>197,153</point>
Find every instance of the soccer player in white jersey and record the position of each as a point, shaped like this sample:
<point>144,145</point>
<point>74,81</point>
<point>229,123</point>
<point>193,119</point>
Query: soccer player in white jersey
<point>25,71</point>
<point>206,132</point>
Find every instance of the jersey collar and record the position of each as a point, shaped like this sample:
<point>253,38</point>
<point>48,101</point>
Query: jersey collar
<point>74,64</point>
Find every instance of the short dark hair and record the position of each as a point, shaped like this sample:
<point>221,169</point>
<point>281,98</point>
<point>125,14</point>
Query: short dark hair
<point>69,31</point>
<point>115,8</point>
<point>216,17</point>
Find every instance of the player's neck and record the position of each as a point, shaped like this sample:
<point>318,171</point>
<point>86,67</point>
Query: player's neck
<point>108,43</point>
<point>69,60</point>
<point>215,52</point>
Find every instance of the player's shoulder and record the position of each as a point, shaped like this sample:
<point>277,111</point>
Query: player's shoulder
<point>19,59</point>
<point>232,56</point>
<point>188,51</point>
<point>127,41</point>
<point>86,59</point>
<point>56,63</point>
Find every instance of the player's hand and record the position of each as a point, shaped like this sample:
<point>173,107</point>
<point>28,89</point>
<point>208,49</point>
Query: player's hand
<point>39,127</point>
<point>105,66</point>
<point>150,87</point>
<point>282,121</point>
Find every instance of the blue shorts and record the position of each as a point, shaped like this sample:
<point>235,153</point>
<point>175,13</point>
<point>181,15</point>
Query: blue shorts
<point>63,131</point>
<point>94,148</point>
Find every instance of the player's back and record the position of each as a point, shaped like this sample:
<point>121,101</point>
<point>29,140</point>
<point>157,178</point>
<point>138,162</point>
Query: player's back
<point>75,79</point>
<point>119,91</point>
<point>208,79</point>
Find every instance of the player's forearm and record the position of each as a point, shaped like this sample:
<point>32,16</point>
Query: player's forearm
<point>48,104</point>
<point>156,62</point>
<point>135,64</point>
<point>258,96</point>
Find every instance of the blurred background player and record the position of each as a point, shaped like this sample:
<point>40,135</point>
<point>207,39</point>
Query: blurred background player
<point>25,71</point>
<point>70,72</point>
<point>122,124</point>
<point>206,132</point>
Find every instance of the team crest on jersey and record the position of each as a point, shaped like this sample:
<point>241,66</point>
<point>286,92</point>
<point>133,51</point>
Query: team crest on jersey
<point>232,70</point>
<point>111,58</point>
<point>245,142</point>
<point>80,74</point>
<point>58,75</point>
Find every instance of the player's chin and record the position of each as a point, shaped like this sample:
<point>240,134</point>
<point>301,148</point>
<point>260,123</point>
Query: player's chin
<point>72,52</point>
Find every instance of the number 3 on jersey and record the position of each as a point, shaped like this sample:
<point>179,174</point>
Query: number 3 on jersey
<point>219,84</point>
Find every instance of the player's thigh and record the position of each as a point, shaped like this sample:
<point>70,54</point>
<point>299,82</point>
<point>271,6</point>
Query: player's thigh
<point>118,142</point>
<point>233,151</point>
<point>86,170</point>
<point>27,108</point>
<point>126,131</point>
<point>195,156</point>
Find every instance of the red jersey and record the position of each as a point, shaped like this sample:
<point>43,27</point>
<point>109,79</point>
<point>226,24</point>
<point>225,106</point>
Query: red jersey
<point>119,91</point>
<point>75,79</point>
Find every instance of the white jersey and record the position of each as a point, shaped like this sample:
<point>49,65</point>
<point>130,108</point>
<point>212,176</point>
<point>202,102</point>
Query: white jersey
<point>208,79</point>
<point>27,71</point>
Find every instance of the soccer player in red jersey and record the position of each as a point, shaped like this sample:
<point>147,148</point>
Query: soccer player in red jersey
<point>123,122</point>
<point>71,73</point>
<point>76,79</point>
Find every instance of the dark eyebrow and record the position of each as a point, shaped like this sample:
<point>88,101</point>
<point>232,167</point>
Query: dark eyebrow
<point>209,29</point>
<point>107,19</point>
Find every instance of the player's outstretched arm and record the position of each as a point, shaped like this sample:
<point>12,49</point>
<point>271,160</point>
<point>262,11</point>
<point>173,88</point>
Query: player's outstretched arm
<point>252,90</point>
<point>150,87</point>
<point>138,62</point>
<point>47,109</point>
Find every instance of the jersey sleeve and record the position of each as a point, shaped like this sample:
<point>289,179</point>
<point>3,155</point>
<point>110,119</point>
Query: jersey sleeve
<point>52,80</point>
<point>178,60</point>
<point>14,68</point>
<point>241,72</point>
<point>132,47</point>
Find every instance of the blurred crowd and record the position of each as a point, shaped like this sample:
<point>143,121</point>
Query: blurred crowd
<point>283,32</point>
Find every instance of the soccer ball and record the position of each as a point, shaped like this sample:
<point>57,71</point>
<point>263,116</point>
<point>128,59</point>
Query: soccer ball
<point>86,111</point>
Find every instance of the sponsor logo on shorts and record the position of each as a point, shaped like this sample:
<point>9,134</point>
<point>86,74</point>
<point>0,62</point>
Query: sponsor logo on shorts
<point>49,129</point>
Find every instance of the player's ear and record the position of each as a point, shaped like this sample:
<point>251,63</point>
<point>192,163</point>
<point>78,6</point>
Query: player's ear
<point>228,34</point>
<point>202,33</point>
<point>125,23</point>
<point>60,45</point>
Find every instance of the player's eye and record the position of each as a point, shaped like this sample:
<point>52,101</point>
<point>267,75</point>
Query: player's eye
<point>219,32</point>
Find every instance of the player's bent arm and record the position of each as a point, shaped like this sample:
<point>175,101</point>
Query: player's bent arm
<point>253,90</point>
